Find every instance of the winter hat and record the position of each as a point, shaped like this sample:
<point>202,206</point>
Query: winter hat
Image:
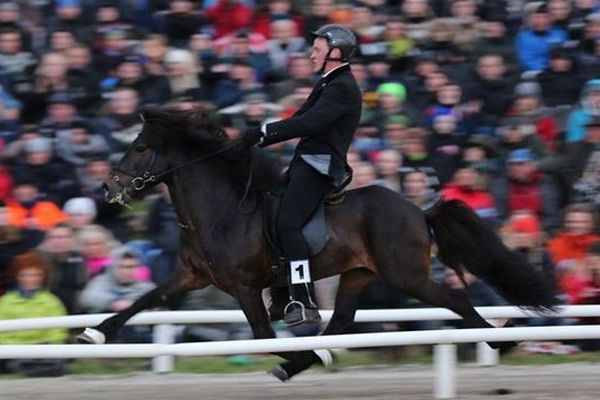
<point>525,223</point>
<point>38,145</point>
<point>393,88</point>
<point>79,206</point>
<point>527,89</point>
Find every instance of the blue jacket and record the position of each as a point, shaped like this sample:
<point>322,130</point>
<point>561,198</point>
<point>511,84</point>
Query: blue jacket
<point>533,50</point>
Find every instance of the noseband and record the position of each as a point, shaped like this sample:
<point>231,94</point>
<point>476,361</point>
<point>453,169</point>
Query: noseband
<point>138,182</point>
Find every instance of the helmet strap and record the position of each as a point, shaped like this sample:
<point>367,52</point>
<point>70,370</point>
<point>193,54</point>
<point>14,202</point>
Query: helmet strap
<point>329,58</point>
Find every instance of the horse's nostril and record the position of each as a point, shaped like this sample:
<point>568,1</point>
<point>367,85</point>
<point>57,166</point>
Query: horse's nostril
<point>105,187</point>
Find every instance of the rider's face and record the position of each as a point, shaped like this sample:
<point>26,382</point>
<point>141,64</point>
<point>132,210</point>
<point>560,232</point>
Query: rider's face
<point>318,53</point>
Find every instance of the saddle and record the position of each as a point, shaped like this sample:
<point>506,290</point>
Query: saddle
<point>314,231</point>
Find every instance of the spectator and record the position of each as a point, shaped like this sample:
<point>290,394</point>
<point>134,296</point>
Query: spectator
<point>55,180</point>
<point>530,110</point>
<point>31,299</point>
<point>582,165</point>
<point>80,212</point>
<point>67,271</point>
<point>276,10</point>
<point>29,208</point>
<point>537,38</point>
<point>445,146</point>
<point>241,81</point>
<point>180,22</point>
<point>369,34</point>
<point>588,107</point>
<point>441,46</point>
<point>76,146</point>
<point>11,17</point>
<point>285,41</point>
<point>526,189</point>
<point>228,16</point>
<point>13,57</point>
<point>388,164</point>
<point>523,233</point>
<point>464,23</point>
<point>130,72</point>
<point>116,289</point>
<point>468,186</point>
<point>182,71</point>
<point>491,89</point>
<point>122,123</point>
<point>298,71</point>
<point>495,40</point>
<point>416,156</point>
<point>69,15</point>
<point>576,233</point>
<point>417,16</point>
<point>13,241</point>
<point>399,45</point>
<point>417,189</point>
<point>320,11</point>
<point>561,81</point>
<point>96,244</point>
<point>61,113</point>
<point>513,134</point>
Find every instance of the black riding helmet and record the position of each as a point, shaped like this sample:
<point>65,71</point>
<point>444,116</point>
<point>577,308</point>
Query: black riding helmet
<point>340,37</point>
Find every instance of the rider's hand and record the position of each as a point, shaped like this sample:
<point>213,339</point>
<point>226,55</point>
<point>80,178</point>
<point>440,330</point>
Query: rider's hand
<point>252,136</point>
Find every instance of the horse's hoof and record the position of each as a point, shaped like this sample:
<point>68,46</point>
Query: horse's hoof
<point>279,373</point>
<point>91,336</point>
<point>325,356</point>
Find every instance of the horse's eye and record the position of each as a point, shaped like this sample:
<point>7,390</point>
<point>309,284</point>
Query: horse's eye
<point>140,148</point>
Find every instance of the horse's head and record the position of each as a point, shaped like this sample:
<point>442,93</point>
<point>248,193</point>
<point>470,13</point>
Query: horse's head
<point>145,161</point>
<point>149,160</point>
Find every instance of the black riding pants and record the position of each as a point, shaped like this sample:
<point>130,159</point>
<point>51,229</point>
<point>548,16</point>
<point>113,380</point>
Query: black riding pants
<point>303,194</point>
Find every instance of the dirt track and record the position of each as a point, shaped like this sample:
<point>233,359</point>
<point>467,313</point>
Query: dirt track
<point>565,381</point>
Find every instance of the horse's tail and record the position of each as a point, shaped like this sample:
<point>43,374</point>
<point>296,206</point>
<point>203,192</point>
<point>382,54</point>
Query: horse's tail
<point>465,240</point>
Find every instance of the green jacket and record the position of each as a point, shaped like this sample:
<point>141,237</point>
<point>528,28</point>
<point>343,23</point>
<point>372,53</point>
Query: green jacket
<point>42,304</point>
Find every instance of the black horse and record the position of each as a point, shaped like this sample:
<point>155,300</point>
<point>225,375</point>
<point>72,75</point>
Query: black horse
<point>217,188</point>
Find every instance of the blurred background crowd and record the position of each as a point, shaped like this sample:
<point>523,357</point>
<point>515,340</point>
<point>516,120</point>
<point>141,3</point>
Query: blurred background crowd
<point>495,103</point>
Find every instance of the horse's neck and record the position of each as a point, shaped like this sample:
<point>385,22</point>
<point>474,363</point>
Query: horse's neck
<point>206,206</point>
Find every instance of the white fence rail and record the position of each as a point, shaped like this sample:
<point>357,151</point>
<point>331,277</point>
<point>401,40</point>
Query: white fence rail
<point>163,350</point>
<point>234,316</point>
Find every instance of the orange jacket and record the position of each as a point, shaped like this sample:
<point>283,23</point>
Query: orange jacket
<point>45,215</point>
<point>566,246</point>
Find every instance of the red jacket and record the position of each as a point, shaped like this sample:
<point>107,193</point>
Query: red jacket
<point>228,17</point>
<point>480,201</point>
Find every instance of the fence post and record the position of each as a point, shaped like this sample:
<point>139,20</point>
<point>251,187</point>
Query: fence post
<point>163,334</point>
<point>486,356</point>
<point>444,360</point>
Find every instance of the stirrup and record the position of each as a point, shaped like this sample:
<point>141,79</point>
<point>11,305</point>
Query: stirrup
<point>316,317</point>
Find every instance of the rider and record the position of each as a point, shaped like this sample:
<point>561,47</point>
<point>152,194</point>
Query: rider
<point>326,123</point>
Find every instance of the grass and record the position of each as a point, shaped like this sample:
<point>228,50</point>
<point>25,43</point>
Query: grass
<point>388,357</point>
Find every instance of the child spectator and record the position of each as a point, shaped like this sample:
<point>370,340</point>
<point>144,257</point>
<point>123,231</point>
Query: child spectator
<point>31,299</point>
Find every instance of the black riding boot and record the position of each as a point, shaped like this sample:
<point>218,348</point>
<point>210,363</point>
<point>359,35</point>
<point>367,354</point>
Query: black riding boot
<point>280,297</point>
<point>303,305</point>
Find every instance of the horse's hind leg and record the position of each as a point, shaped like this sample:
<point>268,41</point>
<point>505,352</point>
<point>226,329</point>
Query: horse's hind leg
<point>107,329</point>
<point>352,284</point>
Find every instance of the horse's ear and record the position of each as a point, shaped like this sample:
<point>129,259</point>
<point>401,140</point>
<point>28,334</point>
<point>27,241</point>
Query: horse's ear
<point>148,113</point>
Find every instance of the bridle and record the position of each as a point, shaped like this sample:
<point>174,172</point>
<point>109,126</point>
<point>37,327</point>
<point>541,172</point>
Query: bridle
<point>140,182</point>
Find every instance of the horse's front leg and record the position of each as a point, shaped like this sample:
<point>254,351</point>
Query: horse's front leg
<point>351,285</point>
<point>252,305</point>
<point>162,295</point>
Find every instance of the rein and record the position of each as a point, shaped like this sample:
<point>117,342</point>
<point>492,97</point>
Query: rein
<point>139,182</point>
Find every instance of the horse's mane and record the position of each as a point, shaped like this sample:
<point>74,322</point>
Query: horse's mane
<point>195,132</point>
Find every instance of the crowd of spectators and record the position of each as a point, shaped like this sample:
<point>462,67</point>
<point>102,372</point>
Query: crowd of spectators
<point>495,103</point>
